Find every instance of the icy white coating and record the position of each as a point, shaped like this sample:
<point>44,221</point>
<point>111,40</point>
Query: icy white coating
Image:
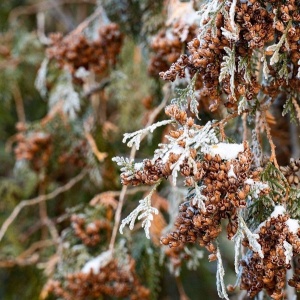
<point>293,225</point>
<point>226,151</point>
<point>231,172</point>
<point>97,263</point>
<point>278,210</point>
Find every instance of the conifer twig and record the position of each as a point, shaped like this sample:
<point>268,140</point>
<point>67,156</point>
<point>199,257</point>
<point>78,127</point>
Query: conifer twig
<point>38,200</point>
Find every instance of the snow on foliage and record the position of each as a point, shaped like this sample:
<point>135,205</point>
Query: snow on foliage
<point>226,151</point>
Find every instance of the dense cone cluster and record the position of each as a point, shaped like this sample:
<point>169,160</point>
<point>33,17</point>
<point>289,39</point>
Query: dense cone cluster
<point>77,51</point>
<point>112,280</point>
<point>279,239</point>
<point>221,44</point>
<point>224,189</point>
<point>168,45</point>
<point>34,146</point>
<point>290,171</point>
<point>92,233</point>
<point>202,58</point>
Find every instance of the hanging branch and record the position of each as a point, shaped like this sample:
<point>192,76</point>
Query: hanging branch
<point>151,120</point>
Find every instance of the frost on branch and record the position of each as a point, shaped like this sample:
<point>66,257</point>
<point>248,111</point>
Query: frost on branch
<point>187,93</point>
<point>252,237</point>
<point>65,95</point>
<point>209,11</point>
<point>125,164</point>
<point>198,139</point>
<point>228,68</point>
<point>135,137</point>
<point>40,81</point>
<point>143,211</point>
<point>199,198</point>
<point>220,277</point>
<point>233,33</point>
<point>276,48</point>
<point>243,231</point>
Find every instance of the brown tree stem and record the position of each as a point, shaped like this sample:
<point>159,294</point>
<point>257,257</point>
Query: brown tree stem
<point>269,136</point>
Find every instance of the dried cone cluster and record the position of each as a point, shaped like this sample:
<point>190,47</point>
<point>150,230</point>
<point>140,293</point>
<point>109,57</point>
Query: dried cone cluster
<point>92,233</point>
<point>290,171</point>
<point>256,29</point>
<point>279,239</point>
<point>168,45</point>
<point>33,146</point>
<point>225,192</point>
<point>112,280</point>
<point>77,51</point>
